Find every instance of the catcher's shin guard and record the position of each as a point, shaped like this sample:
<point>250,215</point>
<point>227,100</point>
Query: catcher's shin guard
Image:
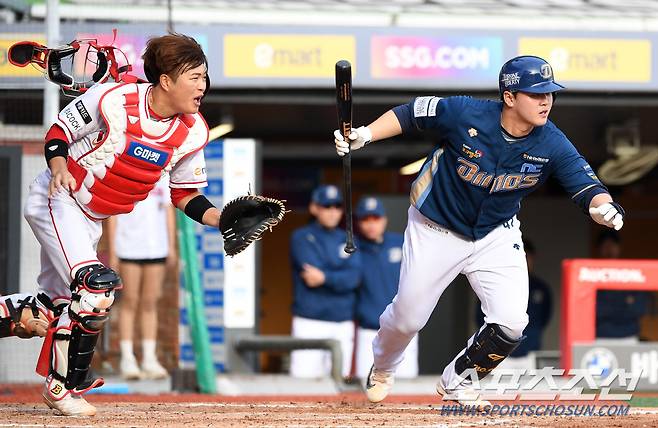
<point>70,344</point>
<point>490,346</point>
<point>26,316</point>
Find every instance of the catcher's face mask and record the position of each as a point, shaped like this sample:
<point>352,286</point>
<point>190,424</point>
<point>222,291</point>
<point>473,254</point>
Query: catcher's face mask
<point>89,62</point>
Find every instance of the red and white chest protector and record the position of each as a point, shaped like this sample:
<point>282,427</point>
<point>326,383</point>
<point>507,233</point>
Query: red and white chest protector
<point>126,161</point>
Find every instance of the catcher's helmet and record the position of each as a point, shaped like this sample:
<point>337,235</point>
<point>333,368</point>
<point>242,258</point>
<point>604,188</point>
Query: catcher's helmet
<point>527,73</point>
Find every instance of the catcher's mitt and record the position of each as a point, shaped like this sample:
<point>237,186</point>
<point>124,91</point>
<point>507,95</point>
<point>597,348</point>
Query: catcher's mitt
<point>246,218</point>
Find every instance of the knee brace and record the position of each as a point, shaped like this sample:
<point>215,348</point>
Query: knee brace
<point>490,346</point>
<point>73,339</point>
<point>26,316</point>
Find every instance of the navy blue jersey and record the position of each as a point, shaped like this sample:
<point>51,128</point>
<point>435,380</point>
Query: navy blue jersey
<point>475,177</point>
<point>618,312</point>
<point>336,298</point>
<point>381,273</point>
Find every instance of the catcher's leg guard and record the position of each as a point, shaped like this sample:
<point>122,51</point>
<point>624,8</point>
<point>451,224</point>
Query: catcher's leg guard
<point>26,316</point>
<point>70,344</point>
<point>490,346</point>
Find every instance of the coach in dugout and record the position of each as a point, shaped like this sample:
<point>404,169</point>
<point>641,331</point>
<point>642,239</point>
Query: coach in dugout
<point>381,254</point>
<point>618,312</point>
<point>325,279</point>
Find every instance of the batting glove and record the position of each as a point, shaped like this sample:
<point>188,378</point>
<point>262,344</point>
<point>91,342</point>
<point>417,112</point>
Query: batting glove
<point>610,214</point>
<point>358,137</point>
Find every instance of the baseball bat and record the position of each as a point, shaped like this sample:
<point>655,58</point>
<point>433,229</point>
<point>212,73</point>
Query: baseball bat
<point>344,108</point>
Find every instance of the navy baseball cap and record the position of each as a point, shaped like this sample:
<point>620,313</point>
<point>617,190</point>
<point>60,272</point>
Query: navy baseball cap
<point>368,206</point>
<point>327,195</point>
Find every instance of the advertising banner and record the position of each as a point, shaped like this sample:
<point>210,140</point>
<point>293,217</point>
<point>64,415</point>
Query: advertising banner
<point>430,57</point>
<point>590,60</point>
<point>640,360</point>
<point>286,55</point>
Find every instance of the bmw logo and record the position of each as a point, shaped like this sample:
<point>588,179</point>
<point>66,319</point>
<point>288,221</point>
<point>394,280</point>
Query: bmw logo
<point>599,362</point>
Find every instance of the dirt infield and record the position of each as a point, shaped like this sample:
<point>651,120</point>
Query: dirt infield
<point>23,407</point>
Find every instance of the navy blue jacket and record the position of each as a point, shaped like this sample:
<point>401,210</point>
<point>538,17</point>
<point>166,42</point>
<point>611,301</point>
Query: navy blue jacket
<point>618,312</point>
<point>475,178</point>
<point>381,274</point>
<point>540,309</point>
<point>335,300</point>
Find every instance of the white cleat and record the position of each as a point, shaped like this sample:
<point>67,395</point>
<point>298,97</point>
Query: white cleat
<point>129,369</point>
<point>464,396</point>
<point>154,370</point>
<point>70,405</point>
<point>378,384</point>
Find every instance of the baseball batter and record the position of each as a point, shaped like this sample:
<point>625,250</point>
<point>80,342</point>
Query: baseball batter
<point>462,217</point>
<point>105,153</point>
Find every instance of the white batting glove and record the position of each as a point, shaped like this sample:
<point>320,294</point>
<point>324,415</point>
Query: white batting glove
<point>358,137</point>
<point>610,214</point>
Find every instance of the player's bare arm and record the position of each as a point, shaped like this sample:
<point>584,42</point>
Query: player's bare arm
<point>61,177</point>
<point>385,126</point>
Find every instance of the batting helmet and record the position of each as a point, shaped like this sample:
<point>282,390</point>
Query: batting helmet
<point>527,73</point>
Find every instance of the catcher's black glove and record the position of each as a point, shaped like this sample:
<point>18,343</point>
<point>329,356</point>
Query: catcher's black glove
<point>246,218</point>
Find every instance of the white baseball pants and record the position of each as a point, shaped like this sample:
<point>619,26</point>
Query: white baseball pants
<point>432,256</point>
<point>317,363</point>
<point>408,368</point>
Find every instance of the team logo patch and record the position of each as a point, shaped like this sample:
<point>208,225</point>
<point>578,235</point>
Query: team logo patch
<point>83,112</point>
<point>533,158</point>
<point>342,254</point>
<point>510,79</point>
<point>395,255</point>
<point>546,71</point>
<point>530,167</point>
<point>590,172</point>
<point>147,154</point>
<point>422,106</point>
<point>472,153</point>
<point>56,389</point>
<point>473,132</point>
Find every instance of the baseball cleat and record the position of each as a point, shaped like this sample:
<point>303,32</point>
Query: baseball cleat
<point>154,370</point>
<point>70,405</point>
<point>378,384</point>
<point>464,396</point>
<point>129,369</point>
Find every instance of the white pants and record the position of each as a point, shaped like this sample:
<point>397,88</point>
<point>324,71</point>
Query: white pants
<point>432,257</point>
<point>67,236</point>
<point>317,363</point>
<point>408,368</point>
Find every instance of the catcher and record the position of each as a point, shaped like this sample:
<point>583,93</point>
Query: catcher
<point>105,152</point>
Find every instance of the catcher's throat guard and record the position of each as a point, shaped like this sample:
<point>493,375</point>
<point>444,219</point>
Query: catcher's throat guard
<point>244,220</point>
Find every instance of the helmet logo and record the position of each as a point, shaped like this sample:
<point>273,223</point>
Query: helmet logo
<point>546,71</point>
<point>510,79</point>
